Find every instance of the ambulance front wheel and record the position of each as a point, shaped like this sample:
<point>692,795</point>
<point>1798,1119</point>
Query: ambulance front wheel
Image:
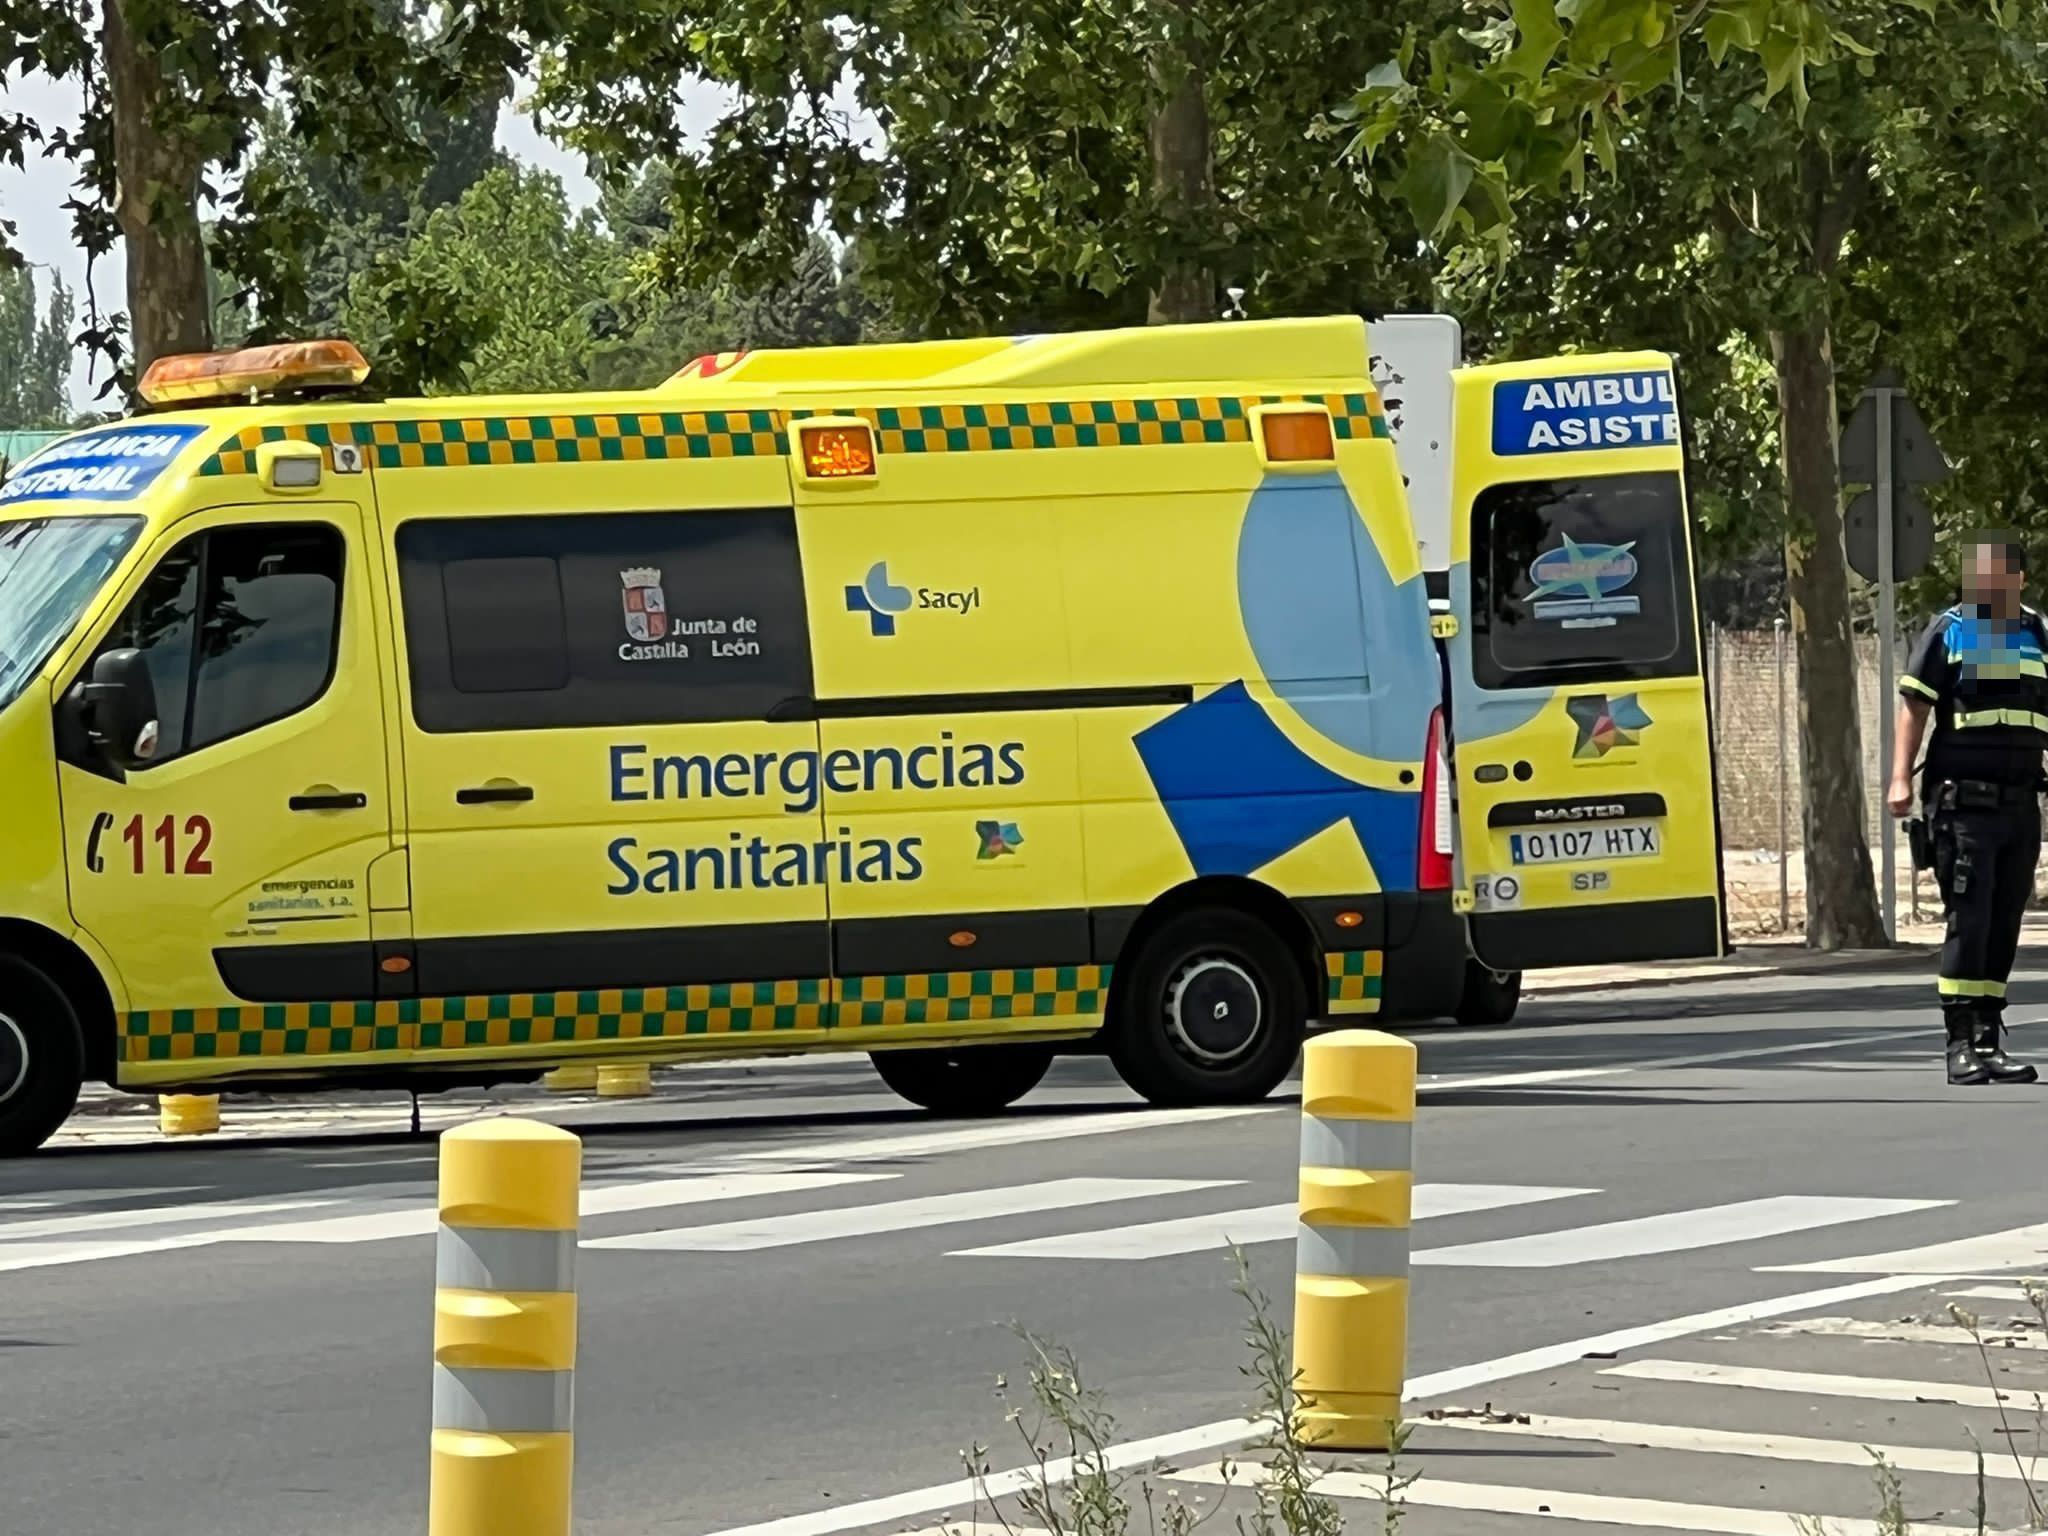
<point>1213,1011</point>
<point>967,1080</point>
<point>1490,996</point>
<point>42,1058</point>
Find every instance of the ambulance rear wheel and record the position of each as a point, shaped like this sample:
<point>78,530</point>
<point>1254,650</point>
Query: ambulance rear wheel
<point>42,1058</point>
<point>1490,996</point>
<point>968,1080</point>
<point>1213,1013</point>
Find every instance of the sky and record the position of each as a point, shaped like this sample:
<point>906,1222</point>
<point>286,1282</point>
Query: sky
<point>34,198</point>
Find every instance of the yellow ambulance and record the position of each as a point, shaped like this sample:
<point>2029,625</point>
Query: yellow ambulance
<point>962,702</point>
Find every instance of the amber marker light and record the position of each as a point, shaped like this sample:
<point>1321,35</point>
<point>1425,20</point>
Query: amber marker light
<point>837,452</point>
<point>1298,437</point>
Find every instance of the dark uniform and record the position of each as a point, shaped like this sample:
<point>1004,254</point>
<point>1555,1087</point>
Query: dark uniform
<point>1987,680</point>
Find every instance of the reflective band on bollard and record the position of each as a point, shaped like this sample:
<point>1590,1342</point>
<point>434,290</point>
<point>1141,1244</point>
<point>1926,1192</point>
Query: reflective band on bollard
<point>505,1331</point>
<point>1351,1255</point>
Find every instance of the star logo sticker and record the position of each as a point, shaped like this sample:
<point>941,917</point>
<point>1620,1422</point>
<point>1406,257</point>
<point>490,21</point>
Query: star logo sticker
<point>1579,572</point>
<point>1605,724</point>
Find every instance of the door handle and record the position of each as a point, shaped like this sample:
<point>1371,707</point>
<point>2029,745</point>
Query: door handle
<point>328,800</point>
<point>493,794</point>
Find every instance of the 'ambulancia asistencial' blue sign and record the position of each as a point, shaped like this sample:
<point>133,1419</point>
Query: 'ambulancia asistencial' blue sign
<point>117,464</point>
<point>1588,412</point>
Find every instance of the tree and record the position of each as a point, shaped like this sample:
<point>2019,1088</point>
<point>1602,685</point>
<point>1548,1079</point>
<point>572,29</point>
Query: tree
<point>1038,165</point>
<point>1754,193</point>
<point>496,293</point>
<point>175,91</point>
<point>35,354</point>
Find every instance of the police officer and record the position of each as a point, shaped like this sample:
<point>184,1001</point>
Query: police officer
<point>1979,672</point>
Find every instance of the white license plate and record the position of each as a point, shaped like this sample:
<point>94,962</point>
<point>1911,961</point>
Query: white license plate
<point>1585,845</point>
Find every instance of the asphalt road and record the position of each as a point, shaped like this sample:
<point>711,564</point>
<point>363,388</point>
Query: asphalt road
<point>236,1337</point>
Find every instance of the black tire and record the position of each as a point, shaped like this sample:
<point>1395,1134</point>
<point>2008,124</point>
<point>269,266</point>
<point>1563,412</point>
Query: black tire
<point>1490,996</point>
<point>964,1080</point>
<point>1246,1010</point>
<point>42,1058</point>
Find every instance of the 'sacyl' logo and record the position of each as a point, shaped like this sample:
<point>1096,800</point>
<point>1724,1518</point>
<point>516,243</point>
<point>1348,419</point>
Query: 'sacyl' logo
<point>880,600</point>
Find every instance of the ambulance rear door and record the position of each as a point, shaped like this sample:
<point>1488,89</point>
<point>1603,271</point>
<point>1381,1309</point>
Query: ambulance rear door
<point>1583,760</point>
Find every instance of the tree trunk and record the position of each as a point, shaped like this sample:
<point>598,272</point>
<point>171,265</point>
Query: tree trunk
<point>156,200</point>
<point>1182,170</point>
<point>1841,896</point>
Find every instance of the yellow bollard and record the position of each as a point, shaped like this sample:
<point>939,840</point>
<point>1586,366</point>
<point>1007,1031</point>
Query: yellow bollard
<point>188,1114</point>
<point>504,1331</point>
<point>1351,1257</point>
<point>626,1080</point>
<point>570,1080</point>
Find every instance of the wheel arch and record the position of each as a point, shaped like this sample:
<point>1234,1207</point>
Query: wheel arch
<point>1239,893</point>
<point>72,971</point>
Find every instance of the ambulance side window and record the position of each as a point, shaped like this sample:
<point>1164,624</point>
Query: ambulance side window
<point>1584,580</point>
<point>632,618</point>
<point>239,627</point>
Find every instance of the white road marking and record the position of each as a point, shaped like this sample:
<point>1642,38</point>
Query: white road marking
<point>147,1216</point>
<point>1556,1504</point>
<point>1906,1333</point>
<point>902,1215</point>
<point>1655,1063</point>
<point>1669,1232</point>
<point>1256,1224</point>
<point>1875,1389</point>
<point>1007,1133</point>
<point>380,1220</point>
<point>1738,1442</point>
<point>1228,1432</point>
<point>1989,1293</point>
<point>45,1200</point>
<point>2019,1248</point>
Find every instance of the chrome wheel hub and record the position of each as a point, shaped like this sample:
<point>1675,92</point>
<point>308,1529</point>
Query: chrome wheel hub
<point>1214,1011</point>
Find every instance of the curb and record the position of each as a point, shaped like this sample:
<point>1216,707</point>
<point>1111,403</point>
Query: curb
<point>1903,957</point>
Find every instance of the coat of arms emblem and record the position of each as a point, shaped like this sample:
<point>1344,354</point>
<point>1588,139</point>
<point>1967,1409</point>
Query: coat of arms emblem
<point>646,607</point>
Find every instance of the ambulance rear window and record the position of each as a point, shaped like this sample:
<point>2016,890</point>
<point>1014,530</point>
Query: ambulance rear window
<point>1582,580</point>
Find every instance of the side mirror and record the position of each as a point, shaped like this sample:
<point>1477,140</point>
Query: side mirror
<point>120,709</point>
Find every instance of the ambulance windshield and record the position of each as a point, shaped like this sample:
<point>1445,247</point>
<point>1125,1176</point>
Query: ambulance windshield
<point>50,567</point>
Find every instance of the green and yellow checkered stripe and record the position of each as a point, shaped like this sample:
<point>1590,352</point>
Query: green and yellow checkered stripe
<point>469,442</point>
<point>953,997</point>
<point>274,1029</point>
<point>1354,979</point>
<point>647,1013</point>
<point>1093,423</point>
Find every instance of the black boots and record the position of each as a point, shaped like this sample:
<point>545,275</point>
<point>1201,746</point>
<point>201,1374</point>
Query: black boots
<point>1975,1051</point>
<point>2001,1068</point>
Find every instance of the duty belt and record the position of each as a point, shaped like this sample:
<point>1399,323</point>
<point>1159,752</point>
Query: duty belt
<point>1979,794</point>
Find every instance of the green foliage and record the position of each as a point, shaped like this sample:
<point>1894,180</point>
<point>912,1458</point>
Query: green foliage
<point>350,76</point>
<point>1011,184</point>
<point>1891,199</point>
<point>35,354</point>
<point>492,295</point>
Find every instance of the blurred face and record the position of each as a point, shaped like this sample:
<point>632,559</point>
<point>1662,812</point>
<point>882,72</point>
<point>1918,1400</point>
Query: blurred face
<point>1992,577</point>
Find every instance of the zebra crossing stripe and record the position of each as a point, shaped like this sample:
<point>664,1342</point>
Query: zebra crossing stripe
<point>903,1215</point>
<point>1737,1442</point>
<point>1253,1225</point>
<point>1875,1389</point>
<point>1558,1505</point>
<point>1671,1232</point>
